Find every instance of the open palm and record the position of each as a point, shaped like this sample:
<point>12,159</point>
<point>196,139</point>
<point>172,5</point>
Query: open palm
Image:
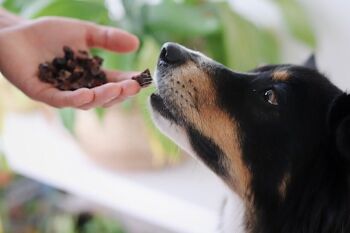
<point>27,44</point>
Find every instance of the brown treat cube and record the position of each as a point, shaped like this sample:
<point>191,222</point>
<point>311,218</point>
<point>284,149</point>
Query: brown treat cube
<point>98,59</point>
<point>71,64</point>
<point>64,74</point>
<point>144,78</point>
<point>83,54</point>
<point>59,62</point>
<point>68,53</point>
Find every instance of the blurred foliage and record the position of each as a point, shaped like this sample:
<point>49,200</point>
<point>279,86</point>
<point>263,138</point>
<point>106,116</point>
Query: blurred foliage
<point>100,224</point>
<point>27,206</point>
<point>212,27</point>
<point>67,116</point>
<point>297,21</point>
<point>100,113</point>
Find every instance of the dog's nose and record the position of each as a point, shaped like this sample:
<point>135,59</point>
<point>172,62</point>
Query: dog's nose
<point>173,53</point>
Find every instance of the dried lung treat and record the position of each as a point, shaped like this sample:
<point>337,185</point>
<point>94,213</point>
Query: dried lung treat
<point>73,71</point>
<point>144,78</point>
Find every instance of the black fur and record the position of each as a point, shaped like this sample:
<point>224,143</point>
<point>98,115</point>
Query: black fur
<point>311,62</point>
<point>305,139</point>
<point>210,153</point>
<point>293,139</point>
<point>339,127</point>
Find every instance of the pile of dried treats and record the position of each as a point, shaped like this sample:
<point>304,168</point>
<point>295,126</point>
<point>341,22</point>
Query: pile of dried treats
<point>73,71</point>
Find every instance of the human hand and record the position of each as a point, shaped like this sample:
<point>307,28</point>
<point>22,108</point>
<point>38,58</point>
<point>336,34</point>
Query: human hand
<point>26,44</point>
<point>8,19</point>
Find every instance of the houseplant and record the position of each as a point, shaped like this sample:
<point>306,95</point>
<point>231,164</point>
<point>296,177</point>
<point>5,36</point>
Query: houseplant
<point>208,26</point>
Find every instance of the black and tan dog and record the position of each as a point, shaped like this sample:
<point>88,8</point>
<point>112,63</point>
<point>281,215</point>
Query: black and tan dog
<point>278,136</point>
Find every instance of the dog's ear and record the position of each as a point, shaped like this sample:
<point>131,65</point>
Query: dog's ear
<point>311,62</point>
<point>339,125</point>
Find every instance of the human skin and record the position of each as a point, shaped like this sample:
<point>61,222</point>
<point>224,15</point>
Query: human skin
<point>24,44</point>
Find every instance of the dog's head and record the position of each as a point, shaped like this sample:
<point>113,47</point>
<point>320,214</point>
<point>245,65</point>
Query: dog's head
<point>252,129</point>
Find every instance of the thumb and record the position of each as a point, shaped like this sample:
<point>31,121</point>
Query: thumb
<point>110,38</point>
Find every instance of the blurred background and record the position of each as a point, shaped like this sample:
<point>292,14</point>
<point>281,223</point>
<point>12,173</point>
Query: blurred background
<point>69,171</point>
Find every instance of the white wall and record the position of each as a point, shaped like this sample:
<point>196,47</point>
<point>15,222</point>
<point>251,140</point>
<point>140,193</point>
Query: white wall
<point>331,22</point>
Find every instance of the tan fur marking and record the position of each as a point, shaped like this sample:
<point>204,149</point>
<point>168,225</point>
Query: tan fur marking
<point>219,127</point>
<point>214,123</point>
<point>281,75</point>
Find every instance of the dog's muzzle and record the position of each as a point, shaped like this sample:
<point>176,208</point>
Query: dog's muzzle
<point>171,56</point>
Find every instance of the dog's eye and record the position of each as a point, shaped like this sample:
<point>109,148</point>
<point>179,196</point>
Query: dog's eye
<point>271,97</point>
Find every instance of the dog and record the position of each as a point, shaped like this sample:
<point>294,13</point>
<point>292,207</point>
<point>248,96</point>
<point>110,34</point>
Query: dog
<point>278,136</point>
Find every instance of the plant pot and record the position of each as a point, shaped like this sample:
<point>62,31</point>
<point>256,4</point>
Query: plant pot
<point>119,141</point>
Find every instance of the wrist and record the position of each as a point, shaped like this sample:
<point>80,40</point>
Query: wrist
<point>8,19</point>
<point>3,44</point>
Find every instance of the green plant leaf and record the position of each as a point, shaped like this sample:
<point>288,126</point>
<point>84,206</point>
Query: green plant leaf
<point>3,163</point>
<point>216,48</point>
<point>92,10</point>
<point>102,224</point>
<point>118,61</point>
<point>17,6</point>
<point>100,113</point>
<point>133,20</point>
<point>63,223</point>
<point>67,116</point>
<point>246,45</point>
<point>178,21</point>
<point>148,54</point>
<point>297,21</point>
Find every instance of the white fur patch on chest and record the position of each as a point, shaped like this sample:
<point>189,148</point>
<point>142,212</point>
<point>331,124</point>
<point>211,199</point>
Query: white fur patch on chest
<point>174,132</point>
<point>232,215</point>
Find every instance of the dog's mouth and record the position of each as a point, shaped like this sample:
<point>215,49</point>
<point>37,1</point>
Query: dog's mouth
<point>158,104</point>
<point>184,84</point>
<point>171,57</point>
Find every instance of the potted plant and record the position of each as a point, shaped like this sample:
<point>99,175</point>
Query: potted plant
<point>123,136</point>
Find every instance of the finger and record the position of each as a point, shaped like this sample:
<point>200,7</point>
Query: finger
<point>103,94</point>
<point>117,76</point>
<point>111,38</point>
<point>128,89</point>
<point>113,102</point>
<point>60,99</point>
<point>9,19</point>
<point>111,92</point>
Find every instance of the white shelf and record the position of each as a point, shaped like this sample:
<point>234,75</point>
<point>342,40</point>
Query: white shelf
<point>184,199</point>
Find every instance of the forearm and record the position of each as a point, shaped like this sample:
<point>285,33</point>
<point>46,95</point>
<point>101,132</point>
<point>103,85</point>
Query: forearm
<point>8,19</point>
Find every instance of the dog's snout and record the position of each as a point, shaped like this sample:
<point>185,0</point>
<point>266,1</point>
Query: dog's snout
<point>173,53</point>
